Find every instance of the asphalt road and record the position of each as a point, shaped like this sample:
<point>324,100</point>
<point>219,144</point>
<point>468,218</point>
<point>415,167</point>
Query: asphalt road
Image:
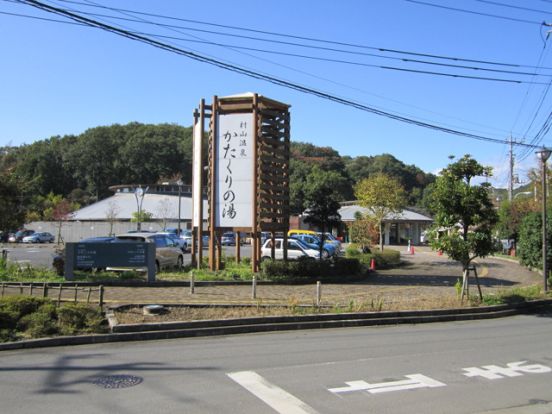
<point>496,366</point>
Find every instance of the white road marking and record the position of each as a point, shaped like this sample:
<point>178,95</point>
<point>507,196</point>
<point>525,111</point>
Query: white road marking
<point>414,381</point>
<point>512,369</point>
<point>275,397</point>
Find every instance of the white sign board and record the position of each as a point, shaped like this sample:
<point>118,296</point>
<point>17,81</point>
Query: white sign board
<point>234,166</point>
<point>197,195</point>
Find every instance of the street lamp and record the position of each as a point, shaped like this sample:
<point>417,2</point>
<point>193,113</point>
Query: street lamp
<point>139,193</point>
<point>544,154</point>
<point>179,183</point>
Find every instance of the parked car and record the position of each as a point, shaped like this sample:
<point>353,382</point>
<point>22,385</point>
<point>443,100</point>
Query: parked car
<point>184,246</point>
<point>40,237</point>
<point>167,252</point>
<point>99,239</point>
<point>314,242</point>
<point>228,239</point>
<point>330,238</point>
<point>295,250</point>
<point>18,236</point>
<point>186,235</point>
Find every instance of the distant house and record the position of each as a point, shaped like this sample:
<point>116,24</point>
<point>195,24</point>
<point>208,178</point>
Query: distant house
<point>398,228</point>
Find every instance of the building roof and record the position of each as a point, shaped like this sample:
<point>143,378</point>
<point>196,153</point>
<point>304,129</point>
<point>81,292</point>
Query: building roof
<point>348,214</point>
<point>124,204</point>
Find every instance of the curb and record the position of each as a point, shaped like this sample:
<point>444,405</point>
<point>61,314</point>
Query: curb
<point>172,330</point>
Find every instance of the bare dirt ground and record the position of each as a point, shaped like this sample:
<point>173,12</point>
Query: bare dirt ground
<point>425,281</point>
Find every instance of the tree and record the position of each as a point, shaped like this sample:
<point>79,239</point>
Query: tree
<point>511,214</point>
<point>12,214</point>
<point>530,240</point>
<point>322,200</point>
<point>111,213</point>
<point>381,195</point>
<point>363,231</point>
<point>165,211</point>
<point>61,211</point>
<point>464,215</point>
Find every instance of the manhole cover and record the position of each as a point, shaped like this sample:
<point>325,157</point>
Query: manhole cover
<point>118,381</point>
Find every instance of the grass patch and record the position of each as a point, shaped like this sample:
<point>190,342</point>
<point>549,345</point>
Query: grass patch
<point>512,296</point>
<point>24,317</point>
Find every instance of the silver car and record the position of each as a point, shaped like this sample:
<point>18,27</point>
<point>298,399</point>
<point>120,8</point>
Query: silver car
<point>167,252</point>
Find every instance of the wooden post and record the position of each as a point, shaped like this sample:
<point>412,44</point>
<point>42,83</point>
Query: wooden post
<point>3,288</point>
<point>273,245</point>
<point>255,257</point>
<point>254,287</point>
<point>20,288</point>
<point>318,293</point>
<point>212,171</point>
<point>200,215</point>
<point>192,282</point>
<point>59,294</point>
<point>238,247</point>
<point>76,293</point>
<point>45,290</point>
<point>31,289</point>
<point>219,250</point>
<point>101,298</point>
<point>88,295</point>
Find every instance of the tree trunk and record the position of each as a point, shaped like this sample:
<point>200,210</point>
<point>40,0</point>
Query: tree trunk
<point>381,235</point>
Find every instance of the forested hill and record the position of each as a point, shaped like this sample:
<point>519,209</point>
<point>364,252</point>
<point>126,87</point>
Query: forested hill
<point>82,167</point>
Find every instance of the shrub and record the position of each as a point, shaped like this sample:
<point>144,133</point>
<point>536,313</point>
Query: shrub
<point>307,270</point>
<point>31,317</point>
<point>75,318</point>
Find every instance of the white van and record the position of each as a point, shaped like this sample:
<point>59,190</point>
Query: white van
<point>295,250</point>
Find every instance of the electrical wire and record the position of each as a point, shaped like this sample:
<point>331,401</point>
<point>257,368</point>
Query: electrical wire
<point>254,74</point>
<point>311,39</point>
<point>309,74</point>
<point>496,3</point>
<point>440,6</point>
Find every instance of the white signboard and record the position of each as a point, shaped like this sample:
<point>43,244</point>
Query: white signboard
<point>234,170</point>
<point>196,173</point>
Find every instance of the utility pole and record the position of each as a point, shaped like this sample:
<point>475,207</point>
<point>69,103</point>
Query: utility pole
<point>511,181</point>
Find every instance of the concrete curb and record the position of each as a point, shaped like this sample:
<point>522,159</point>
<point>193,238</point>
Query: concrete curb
<point>171,330</point>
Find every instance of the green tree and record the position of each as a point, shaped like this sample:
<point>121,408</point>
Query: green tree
<point>322,200</point>
<point>465,212</point>
<point>381,195</point>
<point>511,215</point>
<point>12,213</point>
<point>530,240</point>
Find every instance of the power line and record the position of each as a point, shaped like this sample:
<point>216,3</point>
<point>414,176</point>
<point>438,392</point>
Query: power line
<point>496,3</point>
<point>300,71</point>
<point>513,19</point>
<point>341,61</point>
<point>254,74</point>
<point>312,39</point>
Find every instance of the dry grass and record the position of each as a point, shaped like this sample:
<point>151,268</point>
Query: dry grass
<point>373,304</point>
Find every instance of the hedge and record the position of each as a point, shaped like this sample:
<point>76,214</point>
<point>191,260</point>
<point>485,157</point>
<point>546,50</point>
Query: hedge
<point>307,270</point>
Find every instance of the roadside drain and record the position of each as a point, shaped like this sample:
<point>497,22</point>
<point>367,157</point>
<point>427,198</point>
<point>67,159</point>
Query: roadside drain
<point>117,381</point>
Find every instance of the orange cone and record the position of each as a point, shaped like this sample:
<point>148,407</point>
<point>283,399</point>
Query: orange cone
<point>440,253</point>
<point>412,250</point>
<point>372,264</point>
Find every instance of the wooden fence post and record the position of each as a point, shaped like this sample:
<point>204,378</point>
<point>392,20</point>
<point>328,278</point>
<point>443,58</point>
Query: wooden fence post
<point>192,282</point>
<point>88,296</point>
<point>44,290</point>
<point>59,294</point>
<point>254,288</point>
<point>76,292</point>
<point>318,293</point>
<point>101,299</point>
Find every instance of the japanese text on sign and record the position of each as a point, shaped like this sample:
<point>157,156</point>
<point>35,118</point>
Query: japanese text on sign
<point>234,170</point>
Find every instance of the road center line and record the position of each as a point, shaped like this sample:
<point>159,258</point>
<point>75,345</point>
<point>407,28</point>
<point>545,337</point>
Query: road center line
<point>275,397</point>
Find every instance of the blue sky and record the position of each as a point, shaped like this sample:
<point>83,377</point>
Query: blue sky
<point>62,79</point>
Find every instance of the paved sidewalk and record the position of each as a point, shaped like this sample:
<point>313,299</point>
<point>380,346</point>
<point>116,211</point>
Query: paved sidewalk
<point>425,278</point>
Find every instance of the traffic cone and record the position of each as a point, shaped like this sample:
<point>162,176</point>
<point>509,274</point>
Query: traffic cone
<point>412,250</point>
<point>372,264</point>
<point>439,253</point>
